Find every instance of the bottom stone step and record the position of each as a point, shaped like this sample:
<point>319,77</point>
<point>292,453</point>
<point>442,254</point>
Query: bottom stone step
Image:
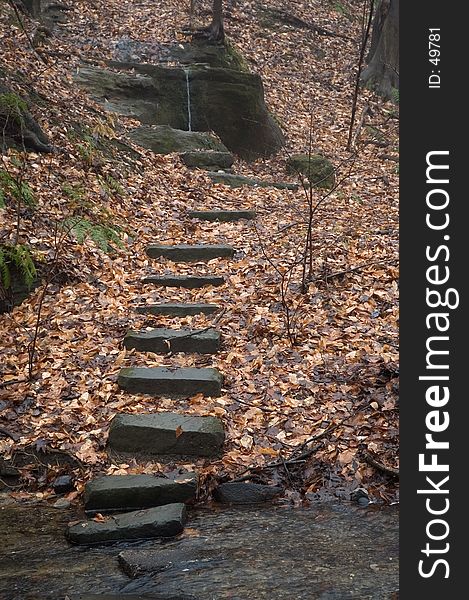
<point>136,492</point>
<point>225,216</point>
<point>162,521</point>
<point>166,434</point>
<point>177,310</point>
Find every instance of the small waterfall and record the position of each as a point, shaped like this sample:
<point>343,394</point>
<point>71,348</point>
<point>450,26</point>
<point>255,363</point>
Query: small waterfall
<point>188,88</point>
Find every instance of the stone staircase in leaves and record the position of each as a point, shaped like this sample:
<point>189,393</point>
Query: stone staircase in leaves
<point>145,506</point>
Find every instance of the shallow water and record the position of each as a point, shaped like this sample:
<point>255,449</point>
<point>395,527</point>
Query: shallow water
<point>327,552</point>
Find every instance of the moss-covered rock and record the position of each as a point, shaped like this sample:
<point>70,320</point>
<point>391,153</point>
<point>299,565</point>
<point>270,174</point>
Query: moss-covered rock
<point>228,102</point>
<point>209,160</point>
<point>316,168</point>
<point>163,139</point>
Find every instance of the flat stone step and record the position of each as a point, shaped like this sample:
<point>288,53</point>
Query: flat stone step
<point>162,341</point>
<point>184,281</point>
<point>207,159</point>
<point>175,383</point>
<point>190,252</point>
<point>246,493</point>
<point>225,216</point>
<point>177,310</point>
<point>135,492</point>
<point>166,434</point>
<point>161,521</point>
<point>240,180</point>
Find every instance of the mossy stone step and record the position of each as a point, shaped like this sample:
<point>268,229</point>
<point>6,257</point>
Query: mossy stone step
<point>206,159</point>
<point>162,340</point>
<point>225,216</point>
<point>184,281</point>
<point>159,522</point>
<point>135,492</point>
<point>171,309</point>
<point>240,180</point>
<point>190,252</point>
<point>166,434</point>
<point>176,383</point>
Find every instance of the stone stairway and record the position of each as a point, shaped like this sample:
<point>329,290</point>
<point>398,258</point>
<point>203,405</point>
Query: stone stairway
<point>149,506</point>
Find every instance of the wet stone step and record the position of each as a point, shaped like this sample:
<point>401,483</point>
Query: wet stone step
<point>222,215</point>
<point>184,281</point>
<point>161,521</point>
<point>175,383</point>
<point>190,252</point>
<point>162,341</point>
<point>246,493</point>
<point>135,492</point>
<point>166,434</point>
<point>177,310</point>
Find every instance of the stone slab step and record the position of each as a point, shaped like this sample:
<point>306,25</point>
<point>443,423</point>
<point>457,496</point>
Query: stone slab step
<point>209,159</point>
<point>185,281</point>
<point>174,383</point>
<point>240,180</point>
<point>166,434</point>
<point>177,310</point>
<point>159,522</point>
<point>222,215</point>
<point>190,252</point>
<point>246,493</point>
<point>135,492</point>
<point>162,340</point>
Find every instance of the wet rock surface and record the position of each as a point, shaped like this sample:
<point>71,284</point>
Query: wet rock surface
<point>333,552</point>
<point>162,521</point>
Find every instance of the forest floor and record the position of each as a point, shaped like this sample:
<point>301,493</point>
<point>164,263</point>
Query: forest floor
<point>334,376</point>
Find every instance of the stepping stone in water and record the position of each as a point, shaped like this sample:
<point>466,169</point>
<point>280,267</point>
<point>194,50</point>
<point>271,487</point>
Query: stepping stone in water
<point>184,281</point>
<point>176,383</point>
<point>240,180</point>
<point>166,434</point>
<point>161,521</point>
<point>135,492</point>
<point>190,252</point>
<point>222,215</point>
<point>177,310</point>
<point>162,341</point>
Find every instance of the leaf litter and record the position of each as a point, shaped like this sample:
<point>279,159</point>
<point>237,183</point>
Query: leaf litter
<point>339,382</point>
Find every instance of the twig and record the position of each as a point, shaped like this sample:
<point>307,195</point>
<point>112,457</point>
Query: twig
<point>359,70</point>
<point>357,268</point>
<point>4,384</point>
<point>379,465</point>
<point>290,19</point>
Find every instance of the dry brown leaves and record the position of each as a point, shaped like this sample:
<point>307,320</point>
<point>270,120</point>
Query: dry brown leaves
<point>343,369</point>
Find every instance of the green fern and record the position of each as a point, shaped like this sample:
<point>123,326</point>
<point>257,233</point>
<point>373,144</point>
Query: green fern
<point>13,106</point>
<point>18,190</point>
<point>19,256</point>
<point>102,235</point>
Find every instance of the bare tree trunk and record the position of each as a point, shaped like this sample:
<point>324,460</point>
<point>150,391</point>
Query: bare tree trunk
<point>217,32</point>
<point>382,72</point>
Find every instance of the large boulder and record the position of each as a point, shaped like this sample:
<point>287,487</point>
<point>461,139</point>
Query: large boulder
<point>226,101</point>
